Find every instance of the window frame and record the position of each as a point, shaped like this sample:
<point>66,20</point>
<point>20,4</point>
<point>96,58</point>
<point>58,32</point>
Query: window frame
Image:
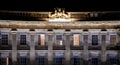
<point>61,40</point>
<point>112,57</point>
<point>21,56</point>
<point>112,39</point>
<point>96,43</point>
<point>23,40</point>
<point>80,37</point>
<point>39,39</point>
<point>58,55</point>
<point>6,38</point>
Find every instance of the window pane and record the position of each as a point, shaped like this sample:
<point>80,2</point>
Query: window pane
<point>58,60</point>
<point>76,60</point>
<point>23,61</point>
<point>94,39</point>
<point>95,61</point>
<point>59,40</point>
<point>23,39</point>
<point>113,39</point>
<point>42,39</point>
<point>41,60</point>
<point>113,60</point>
<point>4,39</point>
<point>4,61</point>
<point>76,41</point>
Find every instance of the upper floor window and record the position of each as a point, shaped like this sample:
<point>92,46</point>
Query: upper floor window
<point>22,39</point>
<point>41,39</point>
<point>76,39</point>
<point>94,39</point>
<point>113,39</point>
<point>4,39</point>
<point>59,40</point>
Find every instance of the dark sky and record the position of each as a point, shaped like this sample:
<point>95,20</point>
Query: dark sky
<point>69,5</point>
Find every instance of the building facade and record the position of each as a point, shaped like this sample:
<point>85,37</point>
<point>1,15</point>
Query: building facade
<point>59,42</point>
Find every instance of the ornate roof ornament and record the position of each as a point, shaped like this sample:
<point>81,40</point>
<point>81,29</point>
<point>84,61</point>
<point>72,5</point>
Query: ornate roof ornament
<point>59,15</point>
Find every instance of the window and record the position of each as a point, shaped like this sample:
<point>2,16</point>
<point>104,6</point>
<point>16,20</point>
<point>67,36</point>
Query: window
<point>94,61</point>
<point>42,39</point>
<point>41,60</point>
<point>113,60</point>
<point>76,41</point>
<point>4,61</point>
<point>58,60</point>
<point>76,60</point>
<point>4,39</point>
<point>59,40</point>
<point>22,39</point>
<point>94,39</point>
<point>113,39</point>
<point>23,60</point>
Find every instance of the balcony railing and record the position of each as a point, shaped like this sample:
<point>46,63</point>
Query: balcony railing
<point>113,47</point>
<point>94,47</point>
<point>38,47</point>
<point>76,47</point>
<point>23,47</point>
<point>58,47</point>
<point>5,47</point>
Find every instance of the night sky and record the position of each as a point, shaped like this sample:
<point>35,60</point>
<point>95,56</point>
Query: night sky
<point>69,5</point>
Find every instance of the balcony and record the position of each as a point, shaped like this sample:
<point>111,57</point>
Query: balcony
<point>5,47</point>
<point>94,47</point>
<point>113,47</point>
<point>76,47</point>
<point>58,47</point>
<point>23,47</point>
<point>38,47</point>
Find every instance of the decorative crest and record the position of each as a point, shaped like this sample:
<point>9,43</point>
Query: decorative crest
<point>59,13</point>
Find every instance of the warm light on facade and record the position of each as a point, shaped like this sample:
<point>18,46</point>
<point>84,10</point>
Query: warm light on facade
<point>60,19</point>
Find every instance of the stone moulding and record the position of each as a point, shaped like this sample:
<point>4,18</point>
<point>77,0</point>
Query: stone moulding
<point>60,25</point>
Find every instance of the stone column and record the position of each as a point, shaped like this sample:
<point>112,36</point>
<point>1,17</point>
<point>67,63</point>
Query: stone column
<point>103,48</point>
<point>50,48</point>
<point>32,48</point>
<point>14,48</point>
<point>67,47</point>
<point>118,38</point>
<point>85,51</point>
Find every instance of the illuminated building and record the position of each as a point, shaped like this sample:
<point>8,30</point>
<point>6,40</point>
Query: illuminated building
<point>59,38</point>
